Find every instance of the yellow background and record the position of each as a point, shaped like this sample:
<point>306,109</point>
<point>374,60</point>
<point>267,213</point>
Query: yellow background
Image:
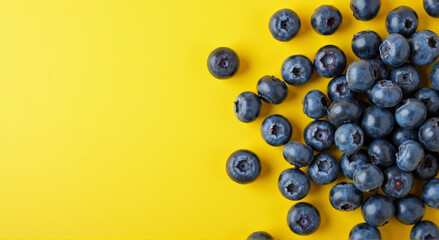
<point>112,127</point>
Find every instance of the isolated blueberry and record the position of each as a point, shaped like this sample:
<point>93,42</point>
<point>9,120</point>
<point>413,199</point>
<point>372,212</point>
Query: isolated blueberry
<point>324,169</point>
<point>409,210</point>
<point>399,135</point>
<point>247,106</point>
<point>272,90</point>
<point>345,197</point>
<point>424,47</point>
<point>428,135</point>
<point>394,50</point>
<point>431,7</point>
<point>407,76</point>
<point>430,98</point>
<point>298,154</point>
<point>276,130</point>
<point>338,88</point>
<point>350,162</point>
<point>428,167</point>
<point>344,110</point>
<point>368,177</point>
<point>260,236</point>
<point>386,93</point>
<point>315,104</point>
<point>365,9</point>
<point>364,231</point>
<point>329,61</point>
<point>379,69</point>
<point>402,20</point>
<point>360,75</point>
<point>381,153</point>
<point>434,76</point>
<point>223,63</point>
<point>366,44</point>
<point>430,193</point>
<point>377,210</point>
<point>425,230</point>
<point>326,19</point>
<point>411,114</point>
<point>397,183</point>
<point>377,122</point>
<point>303,218</point>
<point>319,135</point>
<point>284,24</point>
<point>297,70</point>
<point>293,184</point>
<point>349,138</point>
<point>410,154</point>
<point>243,166</point>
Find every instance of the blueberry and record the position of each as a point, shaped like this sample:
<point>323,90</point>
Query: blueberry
<point>424,47</point>
<point>411,114</point>
<point>379,69</point>
<point>326,19</point>
<point>364,231</point>
<point>378,210</point>
<point>368,177</point>
<point>329,61</point>
<point>319,135</point>
<point>397,183</point>
<point>243,166</point>
<point>324,169</point>
<point>394,50</point>
<point>338,88</point>
<point>350,162</point>
<point>276,130</point>
<point>386,93</point>
<point>261,235</point>
<point>272,90</point>
<point>298,154</point>
<point>430,193</point>
<point>407,76</point>
<point>293,184</point>
<point>365,10</point>
<point>284,24</point>
<point>431,7</point>
<point>377,122</point>
<point>381,153</point>
<point>366,44</point>
<point>425,230</point>
<point>315,104</point>
<point>409,210</point>
<point>428,135</point>
<point>297,70</point>
<point>360,75</point>
<point>402,20</point>
<point>247,106</point>
<point>434,76</point>
<point>303,218</point>
<point>430,98</point>
<point>410,154</point>
<point>344,110</point>
<point>345,197</point>
<point>349,138</point>
<point>223,63</point>
<point>428,167</point>
<point>399,135</point>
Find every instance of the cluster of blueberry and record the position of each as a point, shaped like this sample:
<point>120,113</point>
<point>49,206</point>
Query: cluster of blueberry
<point>386,143</point>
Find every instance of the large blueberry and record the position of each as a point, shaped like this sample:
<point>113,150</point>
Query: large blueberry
<point>276,130</point>
<point>368,177</point>
<point>425,230</point>
<point>349,138</point>
<point>344,110</point>
<point>402,20</point>
<point>243,166</point>
<point>338,88</point>
<point>430,98</point>
<point>247,106</point>
<point>297,70</point>
<point>428,167</point>
<point>284,24</point>
<point>324,169</point>
<point>345,197</point>
<point>399,135</point>
<point>428,135</point>
<point>377,122</point>
<point>298,154</point>
<point>381,153</point>
<point>377,210</point>
<point>431,7</point>
<point>410,154</point>
<point>366,44</point>
<point>329,61</point>
<point>303,218</point>
<point>261,235</point>
<point>430,193</point>
<point>223,63</point>
<point>397,183</point>
<point>411,114</point>
<point>293,184</point>
<point>365,10</point>
<point>394,50</point>
<point>409,210</point>
<point>424,47</point>
<point>379,69</point>
<point>319,135</point>
<point>315,104</point>
<point>364,231</point>
<point>360,75</point>
<point>386,93</point>
<point>407,76</point>
<point>272,90</point>
<point>326,19</point>
<point>350,162</point>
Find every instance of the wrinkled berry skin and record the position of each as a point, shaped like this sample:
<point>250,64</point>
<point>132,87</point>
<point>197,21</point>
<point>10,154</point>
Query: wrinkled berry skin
<point>326,19</point>
<point>284,25</point>
<point>350,162</point>
<point>344,110</point>
<point>298,154</point>
<point>293,184</point>
<point>397,183</point>
<point>243,166</point>
<point>378,210</point>
<point>428,135</point>
<point>272,90</point>
<point>349,138</point>
<point>338,88</point>
<point>394,50</point>
<point>434,76</point>
<point>431,7</point>
<point>430,193</point>
<point>364,231</point>
<point>315,104</point>
<point>360,75</point>
<point>430,98</point>
<point>261,235</point>
<point>407,77</point>
<point>386,93</point>
<point>297,70</point>
<point>368,177</point>
<point>345,197</point>
<point>365,10</point>
<point>381,153</point>
<point>223,63</point>
<point>425,230</point>
<point>329,61</point>
<point>409,210</point>
<point>276,130</point>
<point>402,20</point>
<point>428,167</point>
<point>324,169</point>
<point>303,218</point>
<point>401,134</point>
<point>366,44</point>
<point>377,122</point>
<point>247,107</point>
<point>424,47</point>
<point>411,114</point>
<point>319,135</point>
<point>410,154</point>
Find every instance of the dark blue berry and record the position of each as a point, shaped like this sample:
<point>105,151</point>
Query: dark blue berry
<point>247,106</point>
<point>349,138</point>
<point>430,193</point>
<point>397,183</point>
<point>431,7</point>
<point>407,76</point>
<point>386,93</point>
<point>377,122</point>
<point>428,167</point>
<point>297,70</point>
<point>344,110</point>
<point>319,135</point>
<point>272,90</point>
<point>338,88</point>
<point>223,63</point>
<point>360,75</point>
<point>345,197</point>
<point>381,153</point>
<point>303,218</point>
<point>326,19</point>
<point>350,162</point>
<point>409,210</point>
<point>434,76</point>
<point>410,154</point>
<point>364,231</point>
<point>324,169</point>
<point>293,184</point>
<point>402,20</point>
<point>425,230</point>
<point>368,177</point>
<point>261,235</point>
<point>366,44</point>
<point>394,50</point>
<point>329,61</point>
<point>424,47</point>
<point>378,210</point>
<point>315,104</point>
<point>379,69</point>
<point>276,130</point>
<point>411,114</point>
<point>428,135</point>
<point>284,24</point>
<point>298,154</point>
<point>365,10</point>
<point>430,98</point>
<point>243,166</point>
<point>399,135</point>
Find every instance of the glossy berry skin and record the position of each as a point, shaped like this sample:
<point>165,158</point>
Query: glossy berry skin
<point>329,61</point>
<point>409,210</point>
<point>364,231</point>
<point>379,69</point>
<point>397,183</point>
<point>402,20</point>
<point>303,218</point>
<point>338,88</point>
<point>394,50</point>
<point>424,230</point>
<point>434,76</point>
<point>386,93</point>
<point>247,107</point>
<point>261,235</point>
<point>243,166</point>
<point>350,162</point>
<point>428,167</point>
<point>428,135</point>
<point>326,19</point>
<point>410,154</point>
<point>345,197</point>
<point>319,135</point>
<point>399,135</point>
<point>377,210</point>
<point>349,138</point>
<point>360,75</point>
<point>365,10</point>
<point>344,110</point>
<point>407,77</point>
<point>324,169</point>
<point>276,130</point>
<point>430,98</point>
<point>298,154</point>
<point>424,47</point>
<point>431,7</point>
<point>315,104</point>
<point>368,177</point>
<point>284,25</point>
<point>297,70</point>
<point>377,122</point>
<point>411,114</point>
<point>366,44</point>
<point>223,63</point>
<point>293,184</point>
<point>381,153</point>
<point>272,90</point>
<point>430,193</point>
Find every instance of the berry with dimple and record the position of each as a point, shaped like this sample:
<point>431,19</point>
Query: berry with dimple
<point>276,130</point>
<point>223,63</point>
<point>315,104</point>
<point>293,184</point>
<point>297,70</point>
<point>319,135</point>
<point>326,19</point>
<point>402,20</point>
<point>349,138</point>
<point>365,10</point>
<point>284,24</point>
<point>407,76</point>
<point>243,166</point>
<point>338,88</point>
<point>247,106</point>
<point>324,169</point>
<point>350,162</point>
<point>397,183</point>
<point>381,153</point>
<point>430,98</point>
<point>425,230</point>
<point>303,218</point>
<point>329,61</point>
<point>428,167</point>
<point>424,47</point>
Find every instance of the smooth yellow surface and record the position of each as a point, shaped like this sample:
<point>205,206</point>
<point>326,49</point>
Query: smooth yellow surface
<point>111,126</point>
